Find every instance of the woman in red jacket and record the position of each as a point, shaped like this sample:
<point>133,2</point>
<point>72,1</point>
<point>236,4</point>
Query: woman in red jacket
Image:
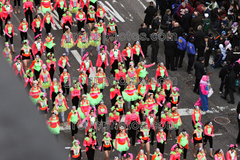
<point>102,60</point>
<point>26,53</point>
<point>6,11</point>
<point>23,28</point>
<point>37,25</point>
<point>75,94</point>
<point>91,17</point>
<point>83,81</point>
<point>9,33</point>
<point>47,21</point>
<point>127,54</point>
<point>90,142</point>
<point>114,92</point>
<point>28,10</point>
<point>54,89</point>
<point>60,4</point>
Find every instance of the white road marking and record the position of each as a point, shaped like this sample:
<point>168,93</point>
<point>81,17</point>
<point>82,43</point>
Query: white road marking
<point>142,4</point>
<point>131,17</point>
<point>55,19</point>
<point>111,12</point>
<point>222,108</point>
<point>218,134</point>
<point>186,112</point>
<point>93,73</point>
<point>123,119</point>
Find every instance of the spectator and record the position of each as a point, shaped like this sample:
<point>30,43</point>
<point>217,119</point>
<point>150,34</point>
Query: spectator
<point>199,7</point>
<point>175,8</point>
<point>156,22</point>
<point>235,30</point>
<point>150,12</point>
<point>181,48</point>
<point>196,20</point>
<point>191,54</point>
<point>169,51</point>
<point>217,62</point>
<point>206,10</point>
<point>181,10</point>
<point>199,41</point>
<point>223,51</point>
<point>166,21</point>
<point>186,20</point>
<point>222,74</point>
<point>163,7</point>
<point>155,46</point>
<point>199,72</point>
<point>177,29</point>
<point>206,23</point>
<point>207,51</point>
<point>229,85</point>
<point>143,36</point>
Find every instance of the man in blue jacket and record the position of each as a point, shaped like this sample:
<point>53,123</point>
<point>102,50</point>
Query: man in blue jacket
<point>191,54</point>
<point>181,48</point>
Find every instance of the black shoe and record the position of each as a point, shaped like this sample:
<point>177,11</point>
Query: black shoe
<point>174,69</point>
<point>230,102</point>
<point>223,97</point>
<point>189,72</point>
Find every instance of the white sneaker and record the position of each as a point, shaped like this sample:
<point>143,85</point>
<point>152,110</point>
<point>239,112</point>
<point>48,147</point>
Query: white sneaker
<point>208,111</point>
<point>220,92</point>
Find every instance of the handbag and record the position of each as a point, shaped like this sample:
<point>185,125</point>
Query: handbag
<point>210,92</point>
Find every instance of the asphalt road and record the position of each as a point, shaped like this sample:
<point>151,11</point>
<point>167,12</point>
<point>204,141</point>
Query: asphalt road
<point>129,16</point>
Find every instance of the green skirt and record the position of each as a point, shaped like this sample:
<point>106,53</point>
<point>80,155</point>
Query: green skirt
<point>129,98</point>
<point>68,45</point>
<point>81,114</point>
<point>74,10</point>
<point>154,108</point>
<point>44,10</point>
<point>95,43</point>
<point>121,148</point>
<point>82,45</point>
<point>55,131</point>
<point>34,100</point>
<point>46,85</point>
<point>94,101</point>
<point>102,86</point>
<point>63,108</point>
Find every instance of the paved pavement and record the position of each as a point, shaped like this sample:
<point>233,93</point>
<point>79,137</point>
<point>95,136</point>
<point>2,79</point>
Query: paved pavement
<point>129,15</point>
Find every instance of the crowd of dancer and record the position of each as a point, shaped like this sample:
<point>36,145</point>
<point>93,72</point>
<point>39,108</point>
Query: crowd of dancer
<point>148,104</point>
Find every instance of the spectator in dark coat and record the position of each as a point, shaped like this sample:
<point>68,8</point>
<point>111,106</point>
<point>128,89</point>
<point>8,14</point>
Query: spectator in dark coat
<point>199,41</point>
<point>177,29</point>
<point>150,13</point>
<point>156,22</point>
<point>217,62</point>
<point>222,74</point>
<point>196,20</point>
<point>144,38</point>
<point>155,46</point>
<point>199,72</point>
<point>163,6</point>
<point>166,20</point>
<point>206,10</point>
<point>229,84</point>
<point>186,21</point>
<point>169,51</point>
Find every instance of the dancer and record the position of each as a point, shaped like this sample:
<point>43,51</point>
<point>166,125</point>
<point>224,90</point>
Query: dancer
<point>102,111</point>
<point>75,151</point>
<point>6,11</point>
<point>90,143</point>
<point>44,79</point>
<point>102,60</point>
<point>51,64</point>
<point>174,97</point>
<point>136,53</point>
<point>121,143</point>
<point>86,64</point>
<point>61,5</point>
<point>73,7</point>
<point>37,25</point>
<point>107,144</point>
<point>26,53</point>
<point>166,122</point>
<point>46,6</point>
<point>66,20</point>
<point>143,89</point>
<point>9,34</point>
<point>114,92</point>
<point>83,81</point>
<point>7,53</point>
<point>201,154</point>
<point>91,17</point>
<point>84,108</point>
<point>161,140</point>
<point>140,106</point>
<point>75,94</point>
<point>127,54</point>
<point>49,44</point>
<point>167,86</point>
<point>114,119</point>
<point>150,105</point>
<point>95,40</point>
<point>65,81</point>
<point>157,155</point>
<point>63,62</point>
<point>91,122</point>
<point>141,155</point>
<point>115,57</point>
<point>183,142</point>
<point>219,155</point>
<point>28,10</point>
<point>161,73</point>
<point>176,120</point>
<point>144,139</point>
<point>74,120</point>
<point>54,124</point>
<point>28,78</point>
<point>208,132</point>
<point>152,85</point>
<point>23,28</point>
<point>150,120</point>
<point>101,79</point>
<point>67,40</point>
<point>81,19</point>
<point>48,20</point>
<point>175,153</point>
<point>95,96</point>
<point>61,105</point>
<point>101,30</point>
<point>232,153</point>
<point>82,41</point>
<point>196,116</point>
<point>54,90</point>
<point>129,94</point>
<point>131,74</point>
<point>85,4</point>
<point>38,47</point>
<point>197,139</point>
<point>160,99</point>
<point>112,30</point>
<point>120,106</point>
<point>141,70</point>
<point>132,121</point>
<point>35,92</point>
<point>36,66</point>
<point>42,104</point>
<point>120,76</point>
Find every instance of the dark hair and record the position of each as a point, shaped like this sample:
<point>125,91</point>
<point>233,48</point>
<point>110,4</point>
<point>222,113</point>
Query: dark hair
<point>142,24</point>
<point>217,151</point>
<point>207,123</point>
<point>238,108</point>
